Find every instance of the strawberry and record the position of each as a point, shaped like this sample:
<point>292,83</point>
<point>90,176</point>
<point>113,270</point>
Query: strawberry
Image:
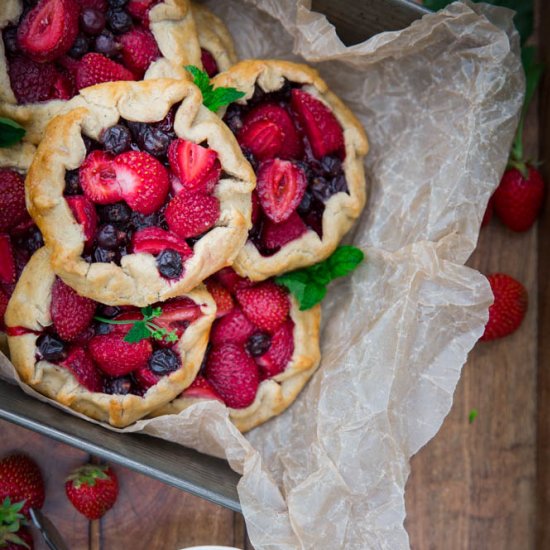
<point>265,304</point>
<point>48,30</point>
<point>81,365</point>
<point>232,328</point>
<point>116,357</point>
<point>276,235</point>
<point>209,63</point>
<point>256,208</point>
<point>31,82</point>
<point>99,5</point>
<point>71,314</point>
<point>92,490</point>
<point>146,378</point>
<point>281,186</point>
<point>197,168</point>
<point>268,132</point>
<point>508,310</point>
<point>7,262</point>
<point>322,129</point>
<point>84,212</point>
<point>518,199</point>
<point>139,49</point>
<point>13,533</point>
<point>277,357</point>
<point>177,314</point>
<point>222,297</point>
<point>153,240</point>
<point>140,9</point>
<point>4,298</point>
<point>230,280</point>
<point>63,86</point>
<point>95,68</point>
<point>21,480</point>
<point>12,199</point>
<point>190,215</point>
<point>488,212</point>
<point>202,389</point>
<point>143,181</point>
<point>233,374</point>
<point>98,178</point>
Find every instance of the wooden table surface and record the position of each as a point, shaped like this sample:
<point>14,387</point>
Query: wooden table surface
<point>484,485</point>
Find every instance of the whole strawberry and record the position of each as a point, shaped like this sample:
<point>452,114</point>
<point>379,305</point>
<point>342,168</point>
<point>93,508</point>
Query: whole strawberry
<point>21,480</point>
<point>13,533</point>
<point>92,490</point>
<point>508,309</point>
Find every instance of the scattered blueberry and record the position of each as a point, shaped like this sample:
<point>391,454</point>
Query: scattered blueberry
<point>92,21</point>
<point>107,237</point>
<point>72,183</point>
<point>104,256</point>
<point>118,213</point>
<point>80,46</point>
<point>51,348</point>
<point>106,44</point>
<point>169,264</point>
<point>141,221</point>
<point>118,386</point>
<point>116,139</point>
<point>164,361</point>
<point>119,21</point>
<point>10,39</point>
<point>108,311</point>
<point>117,3</point>
<point>258,343</point>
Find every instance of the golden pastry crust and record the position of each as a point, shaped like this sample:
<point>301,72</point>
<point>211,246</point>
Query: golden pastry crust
<point>276,394</point>
<point>137,280</point>
<point>30,308</point>
<point>173,27</point>
<point>214,37</point>
<point>342,209</point>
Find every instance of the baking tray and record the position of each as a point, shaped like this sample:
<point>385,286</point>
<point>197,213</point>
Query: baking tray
<point>201,475</point>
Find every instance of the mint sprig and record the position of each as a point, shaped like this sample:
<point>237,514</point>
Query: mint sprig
<point>143,329</point>
<point>10,132</point>
<point>213,98</point>
<point>309,285</point>
<point>472,416</point>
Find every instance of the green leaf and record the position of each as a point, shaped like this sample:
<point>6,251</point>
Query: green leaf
<point>344,260</point>
<point>200,78</point>
<point>320,273</point>
<point>313,294</point>
<point>10,132</point>
<point>296,282</point>
<point>472,416</point>
<point>137,333</point>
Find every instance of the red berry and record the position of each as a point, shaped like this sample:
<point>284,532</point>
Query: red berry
<point>177,314</point>
<point>139,49</point>
<point>12,199</point>
<point>190,215</point>
<point>84,212</point>
<point>30,81</point>
<point>81,365</point>
<point>4,298</point>
<point>209,63</point>
<point>202,389</point>
<point>98,178</point>
<point>488,212</point>
<point>153,240</point>
<point>232,328</point>
<point>230,280</point>
<point>145,377</point>
<point>95,68</point>
<point>7,262</point>
<point>256,208</point>
<point>518,199</point>
<point>140,9</point>
<point>64,86</point>
<point>276,235</point>
<point>222,297</point>
<point>116,357</point>
<point>99,5</point>
<point>279,354</point>
<point>508,309</point>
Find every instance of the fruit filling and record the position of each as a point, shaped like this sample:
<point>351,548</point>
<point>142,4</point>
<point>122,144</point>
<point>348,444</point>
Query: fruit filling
<point>19,236</point>
<point>251,340</point>
<point>58,47</point>
<point>141,189</point>
<point>296,147</point>
<point>114,350</point>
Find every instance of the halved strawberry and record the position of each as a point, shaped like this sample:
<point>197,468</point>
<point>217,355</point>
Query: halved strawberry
<point>209,63</point>
<point>84,370</point>
<point>84,212</point>
<point>153,240</point>
<point>30,81</point>
<point>276,235</point>
<point>139,49</point>
<point>143,181</point>
<point>232,328</point>
<point>145,377</point>
<point>191,214</point>
<point>49,29</point>
<point>7,262</point>
<point>71,314</point>
<point>116,357</point>
<point>277,357</point>
<point>201,389</point>
<point>322,129</point>
<point>268,132</point>
<point>178,314</point>
<point>63,86</point>
<point>265,304</point>
<point>230,280</point>
<point>95,68</point>
<point>222,297</point>
<point>281,186</point>
<point>98,178</point>
<point>12,199</point>
<point>197,167</point>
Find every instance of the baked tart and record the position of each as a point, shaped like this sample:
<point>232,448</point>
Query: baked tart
<point>151,197</point>
<point>78,352</point>
<point>307,149</point>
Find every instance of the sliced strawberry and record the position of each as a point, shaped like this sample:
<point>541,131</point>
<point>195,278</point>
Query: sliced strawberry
<point>30,81</point>
<point>197,167</point>
<point>98,178</point>
<point>190,215</point>
<point>322,129</point>
<point>7,261</point>
<point>139,49</point>
<point>116,357</point>
<point>281,186</point>
<point>233,374</point>
<point>178,314</point>
<point>143,181</point>
<point>222,297</point>
<point>4,299</point>
<point>95,68</point>
<point>153,240</point>
<point>48,30</point>
<point>84,212</point>
<point>277,357</point>
<point>276,235</point>
<point>232,328</point>
<point>266,305</point>
<point>209,63</point>
<point>268,132</point>
<point>63,86</point>
<point>230,280</point>
<point>81,365</point>
<point>201,389</point>
<point>146,378</point>
<point>12,199</point>
<point>71,314</point>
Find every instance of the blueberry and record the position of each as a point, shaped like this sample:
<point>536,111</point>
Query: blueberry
<point>103,328</point>
<point>118,213</point>
<point>169,264</point>
<point>305,204</point>
<point>117,3</point>
<point>119,386</point>
<point>92,21</point>
<point>151,139</point>
<point>166,125</point>
<point>72,183</point>
<point>119,21</point>
<point>80,46</point>
<point>141,221</point>
<point>107,237</point>
<point>116,139</point>
<point>338,184</point>
<point>108,311</point>
<point>89,143</point>
<point>257,97</point>
<point>164,361</point>
<point>106,44</point>
<point>104,256</point>
<point>51,348</point>
<point>10,39</point>
<point>233,117</point>
<point>320,188</point>
<point>33,240</point>
<point>258,343</point>
<point>332,166</point>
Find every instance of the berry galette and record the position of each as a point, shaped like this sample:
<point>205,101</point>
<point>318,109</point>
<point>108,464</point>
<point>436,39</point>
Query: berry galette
<point>113,364</point>
<point>307,151</point>
<point>152,196</point>
<point>261,353</point>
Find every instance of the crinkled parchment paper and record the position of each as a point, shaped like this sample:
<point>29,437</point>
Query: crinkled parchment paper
<point>439,101</point>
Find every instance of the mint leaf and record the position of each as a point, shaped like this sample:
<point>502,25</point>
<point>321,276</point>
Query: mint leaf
<point>200,78</point>
<point>10,132</point>
<point>344,260</point>
<point>313,294</point>
<point>137,333</point>
<point>472,416</point>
